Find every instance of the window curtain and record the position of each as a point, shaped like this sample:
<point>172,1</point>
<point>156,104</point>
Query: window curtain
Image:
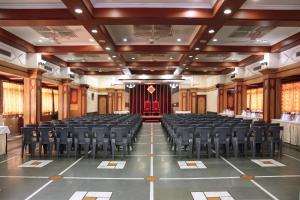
<point>255,99</point>
<point>290,97</point>
<point>49,100</point>
<point>55,96</point>
<point>12,98</point>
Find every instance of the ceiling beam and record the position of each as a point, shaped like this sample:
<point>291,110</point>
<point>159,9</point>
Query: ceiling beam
<point>14,41</point>
<point>251,17</point>
<point>91,64</point>
<point>152,64</point>
<point>55,60</point>
<point>250,60</point>
<point>84,49</point>
<point>152,72</point>
<point>286,44</point>
<point>152,48</point>
<point>214,64</point>
<point>37,17</point>
<point>94,73</point>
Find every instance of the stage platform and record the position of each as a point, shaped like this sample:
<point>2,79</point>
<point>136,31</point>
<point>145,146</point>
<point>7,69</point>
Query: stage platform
<point>152,118</point>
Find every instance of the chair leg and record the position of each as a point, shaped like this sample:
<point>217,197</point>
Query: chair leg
<point>113,150</point>
<point>191,149</point>
<point>208,149</point>
<point>86,149</point>
<point>58,149</point>
<point>105,146</point>
<point>271,149</point>
<point>253,147</point>
<point>179,148</point>
<point>94,150</point>
<point>198,149</point>
<point>245,148</point>
<point>235,148</point>
<point>32,149</point>
<point>124,149</point>
<point>50,147</point>
<point>217,148</point>
<point>75,147</point>
<point>23,147</point>
<point>40,150</point>
<point>227,149</point>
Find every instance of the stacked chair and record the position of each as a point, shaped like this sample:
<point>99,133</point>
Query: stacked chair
<point>221,135</point>
<point>91,133</point>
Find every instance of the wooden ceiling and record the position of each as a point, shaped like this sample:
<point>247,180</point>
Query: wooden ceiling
<point>189,57</point>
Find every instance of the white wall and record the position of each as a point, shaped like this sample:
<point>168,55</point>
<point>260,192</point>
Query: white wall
<point>212,101</point>
<point>92,105</point>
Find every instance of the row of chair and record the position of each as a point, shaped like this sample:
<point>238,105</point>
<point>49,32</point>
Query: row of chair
<point>216,132</point>
<point>76,134</point>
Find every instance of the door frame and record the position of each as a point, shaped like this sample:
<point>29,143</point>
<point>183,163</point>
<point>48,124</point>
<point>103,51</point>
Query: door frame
<point>197,104</point>
<point>106,97</point>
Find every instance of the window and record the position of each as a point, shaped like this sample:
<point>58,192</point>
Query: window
<point>255,99</point>
<point>12,98</point>
<point>49,100</point>
<point>290,97</point>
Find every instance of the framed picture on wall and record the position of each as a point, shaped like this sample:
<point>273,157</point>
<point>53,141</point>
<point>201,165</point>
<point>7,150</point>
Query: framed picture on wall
<point>74,96</point>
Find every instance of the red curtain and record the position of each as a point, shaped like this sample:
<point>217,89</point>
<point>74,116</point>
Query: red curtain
<point>139,94</point>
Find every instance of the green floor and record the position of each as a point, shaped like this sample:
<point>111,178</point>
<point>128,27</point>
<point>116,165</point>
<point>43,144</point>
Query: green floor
<point>151,172</point>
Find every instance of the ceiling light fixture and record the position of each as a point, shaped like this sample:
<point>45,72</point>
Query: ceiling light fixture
<point>190,56</point>
<point>133,58</point>
<point>91,40</point>
<point>227,11</point>
<point>40,41</point>
<point>125,40</point>
<point>114,56</point>
<point>197,58</point>
<point>215,40</point>
<point>211,31</point>
<point>197,48</point>
<point>78,10</point>
<point>108,48</point>
<point>171,58</point>
<point>94,31</point>
<point>178,39</point>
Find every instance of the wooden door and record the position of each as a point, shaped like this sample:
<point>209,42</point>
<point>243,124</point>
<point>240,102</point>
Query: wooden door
<point>102,104</point>
<point>201,104</point>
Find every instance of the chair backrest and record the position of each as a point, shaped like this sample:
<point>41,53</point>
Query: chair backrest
<point>155,104</point>
<point>147,105</point>
<point>259,132</point>
<point>32,126</point>
<point>185,133</point>
<point>81,133</point>
<point>27,134</point>
<point>118,133</point>
<point>45,134</point>
<point>100,133</point>
<point>62,134</point>
<point>275,132</point>
<point>203,133</point>
<point>222,132</point>
<point>241,132</point>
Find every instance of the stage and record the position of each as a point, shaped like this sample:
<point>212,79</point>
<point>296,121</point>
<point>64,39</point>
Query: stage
<point>152,118</point>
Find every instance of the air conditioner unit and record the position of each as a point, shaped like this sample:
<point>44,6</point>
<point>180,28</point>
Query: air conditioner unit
<point>5,54</point>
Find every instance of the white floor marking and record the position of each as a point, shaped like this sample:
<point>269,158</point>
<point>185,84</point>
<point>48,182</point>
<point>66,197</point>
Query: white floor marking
<point>36,163</point>
<point>267,163</point>
<point>191,164</point>
<point>202,178</point>
<point>254,182</point>
<point>61,173</point>
<point>3,161</point>
<point>151,165</point>
<point>112,164</point>
<point>33,177</point>
<point>101,178</point>
<point>291,157</point>
<point>279,176</point>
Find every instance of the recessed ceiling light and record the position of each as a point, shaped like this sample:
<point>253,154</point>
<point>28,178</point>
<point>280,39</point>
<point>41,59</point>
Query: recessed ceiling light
<point>133,58</point>
<point>78,10</point>
<point>91,40</point>
<point>227,11</point>
<point>178,39</point>
<point>190,56</point>
<point>94,31</point>
<point>125,40</point>
<point>171,58</point>
<point>109,58</point>
<point>211,31</point>
<point>40,41</point>
<point>187,68</point>
<point>108,48</point>
<point>114,56</point>
<point>215,40</point>
<point>197,58</point>
<point>184,64</point>
<point>197,48</point>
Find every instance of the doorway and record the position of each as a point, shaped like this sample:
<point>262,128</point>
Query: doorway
<point>201,104</point>
<point>102,104</point>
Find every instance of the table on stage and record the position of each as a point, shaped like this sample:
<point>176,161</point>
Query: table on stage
<point>4,131</point>
<point>291,131</point>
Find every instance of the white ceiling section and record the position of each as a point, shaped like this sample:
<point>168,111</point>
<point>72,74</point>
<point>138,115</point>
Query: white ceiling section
<point>272,4</point>
<point>252,36</point>
<point>222,57</point>
<point>152,57</point>
<point>31,4</point>
<point>71,57</point>
<point>153,3</point>
<point>160,35</point>
<point>53,35</point>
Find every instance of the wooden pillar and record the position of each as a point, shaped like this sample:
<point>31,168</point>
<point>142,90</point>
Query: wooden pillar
<point>33,96</point>
<point>83,99</point>
<point>1,96</point>
<point>111,101</point>
<point>64,91</point>
<point>193,101</point>
<point>272,94</point>
<point>239,96</point>
<point>120,100</point>
<point>220,97</point>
